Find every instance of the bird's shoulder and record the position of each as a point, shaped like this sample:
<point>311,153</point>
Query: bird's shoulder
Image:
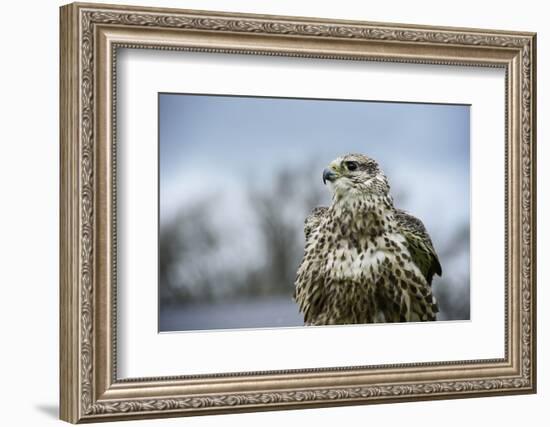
<point>419,243</point>
<point>410,223</point>
<point>313,220</point>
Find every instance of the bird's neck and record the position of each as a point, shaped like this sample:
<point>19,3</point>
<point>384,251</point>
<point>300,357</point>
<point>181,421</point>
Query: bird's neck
<point>364,213</point>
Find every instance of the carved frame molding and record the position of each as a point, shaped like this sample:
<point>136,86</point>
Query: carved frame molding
<point>90,36</point>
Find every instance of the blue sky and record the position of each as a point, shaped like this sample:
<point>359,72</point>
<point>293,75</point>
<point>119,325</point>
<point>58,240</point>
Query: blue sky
<point>217,143</point>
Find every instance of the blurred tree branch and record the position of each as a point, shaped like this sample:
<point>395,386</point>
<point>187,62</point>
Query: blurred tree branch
<point>194,265</point>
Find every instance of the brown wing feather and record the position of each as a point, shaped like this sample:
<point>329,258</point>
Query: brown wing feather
<point>420,244</point>
<point>313,220</point>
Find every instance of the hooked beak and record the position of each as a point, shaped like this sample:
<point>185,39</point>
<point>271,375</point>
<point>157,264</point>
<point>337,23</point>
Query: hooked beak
<point>328,175</point>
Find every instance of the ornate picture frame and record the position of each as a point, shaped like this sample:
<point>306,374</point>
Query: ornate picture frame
<point>90,37</point>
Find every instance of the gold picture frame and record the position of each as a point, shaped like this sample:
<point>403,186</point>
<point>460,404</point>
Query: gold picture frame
<point>90,36</point>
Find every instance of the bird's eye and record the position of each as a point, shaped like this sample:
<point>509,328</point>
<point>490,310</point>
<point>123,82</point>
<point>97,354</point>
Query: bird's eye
<point>351,166</point>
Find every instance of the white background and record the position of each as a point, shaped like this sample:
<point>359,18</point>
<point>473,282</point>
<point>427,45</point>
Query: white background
<point>143,352</point>
<point>29,172</point>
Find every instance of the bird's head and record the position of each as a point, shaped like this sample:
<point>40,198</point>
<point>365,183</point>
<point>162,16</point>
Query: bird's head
<point>355,175</point>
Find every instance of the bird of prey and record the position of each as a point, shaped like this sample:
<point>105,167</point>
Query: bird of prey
<point>364,261</point>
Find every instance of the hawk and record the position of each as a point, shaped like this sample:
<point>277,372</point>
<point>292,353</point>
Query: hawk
<point>364,260</point>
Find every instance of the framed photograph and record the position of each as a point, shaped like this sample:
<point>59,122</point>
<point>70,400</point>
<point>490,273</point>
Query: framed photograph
<point>267,212</point>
